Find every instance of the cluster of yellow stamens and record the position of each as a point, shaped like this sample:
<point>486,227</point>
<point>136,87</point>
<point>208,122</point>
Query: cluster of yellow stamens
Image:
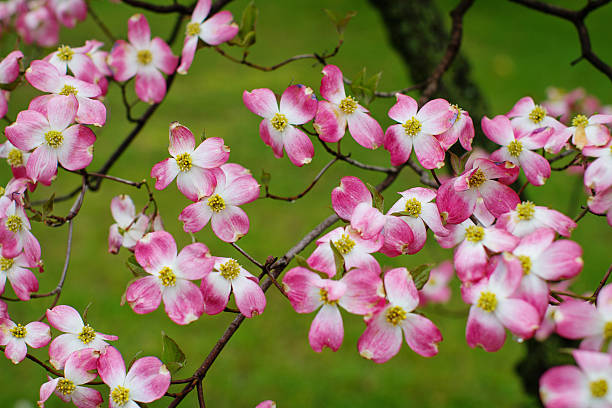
<point>65,386</point>
<point>6,263</point>
<point>14,223</point>
<point>487,301</point>
<point>69,90</point>
<point>345,244</point>
<point>120,395</point>
<point>412,127</point>
<point>54,138</point>
<point>525,263</point>
<point>580,121</point>
<point>525,210</point>
<point>325,298</point>
<point>65,53</point>
<point>19,331</point>
<point>184,162</point>
<point>348,105</point>
<point>515,148</point>
<point>15,158</point>
<point>167,277</point>
<point>537,114</point>
<point>474,233</point>
<point>477,179</point>
<point>599,388</point>
<point>144,57</point>
<point>230,269</point>
<point>87,335</point>
<point>216,203</point>
<point>193,28</point>
<point>279,122</point>
<point>395,315</point>
<point>413,207</point>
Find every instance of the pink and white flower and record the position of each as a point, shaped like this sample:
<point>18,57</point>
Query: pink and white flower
<point>9,71</point>
<point>77,335</point>
<point>99,58</point>
<point>339,110</point>
<point>235,186</point>
<point>357,292</point>
<point>418,127</point>
<point>15,269</point>
<point>68,12</point>
<point>214,31</point>
<point>462,129</point>
<point>436,289</point>
<point>602,204</point>
<point>471,256</point>
<point>45,77</point>
<point>598,174</point>
<point>298,105</point>
<point>75,59</point>
<point>16,158</point>
<point>382,338</point>
<point>38,25</point>
<point>15,234</point>
<point>191,166</point>
<point>52,139</point>
<point>527,217</point>
<point>591,131</point>
<point>495,306</point>
<point>517,148</point>
<point>355,250</point>
<point>17,337</point>
<point>587,385</point>
<point>129,228</point>
<point>147,380</point>
<point>397,236</point>
<point>229,276</point>
<point>527,117</point>
<point>80,369</point>
<point>171,277</point>
<point>143,58</point>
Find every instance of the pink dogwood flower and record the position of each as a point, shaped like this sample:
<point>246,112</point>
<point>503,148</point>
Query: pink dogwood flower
<point>77,335</point>
<point>129,228</point>
<point>355,251</point>
<point>436,289</point>
<point>266,404</point>
<point>418,128</point>
<point>171,277</point>
<point>462,129</point>
<point>527,117</point>
<point>99,58</point>
<point>15,234</point>
<point>22,280</point>
<point>584,320</point>
<point>357,291</point>
<point>45,77</point>
<point>602,204</point>
<point>191,166</point>
<point>419,210</point>
<point>143,58</point>
<point>397,236</point>
<point>591,131</point>
<point>598,174</point>
<point>586,386</point>
<point>214,31</point>
<point>38,25</point>
<point>147,380</point>
<point>470,256</point>
<point>52,138</point>
<point>16,158</point>
<point>80,369</point>
<point>68,12</point>
<point>76,60</point>
<point>17,337</point>
<point>382,338</point>
<point>518,148</point>
<point>298,105</point>
<point>339,110</point>
<point>527,217</point>
<point>495,306</point>
<point>229,276</point>
<point>459,196</point>
<point>543,260</point>
<point>9,71</point>
<point>235,186</point>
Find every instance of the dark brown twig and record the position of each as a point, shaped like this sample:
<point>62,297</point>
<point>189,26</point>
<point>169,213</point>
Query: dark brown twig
<point>303,193</point>
<point>602,283</point>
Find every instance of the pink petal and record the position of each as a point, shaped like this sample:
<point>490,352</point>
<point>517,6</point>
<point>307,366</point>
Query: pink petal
<point>348,195</point>
<point>499,240</point>
<point>46,390</point>
<point>362,291</point>
<point>91,112</point>
<point>84,397</point>
<point>381,340</point>
<point>398,237</point>
<point>28,132</point>
<point>144,295</point>
<point>83,68</point>
<point>298,146</point>
<point>164,172</point>
<point>241,190</point>
<point>80,365</point>
<point>303,289</point>
<point>362,260</point>
<point>522,108</point>
<point>194,261</point>
<point>578,319</point>
<point>61,111</point>
<point>183,302</point>
<point>150,85</point>
<point>332,84</point>
<point>65,319</point>
<point>536,167</point>
<point>404,109</point>
<point>189,49</point>
<point>38,334</point>
<point>470,260</point>
<point>219,28</point>
<point>156,250</point>
<point>250,299</point>
<point>16,351</point>
<point>201,10</point>
<point>261,102</point>
<point>195,216</point>
<point>326,329</point>
<point>123,210</point>
<point>436,117</point>
<point>42,165</point>
<point>148,379</point>
<point>561,260</point>
<point>44,76</point>
<point>196,183</point>
<point>604,300</point>
<point>123,61</point>
<point>483,329</point>
<point>564,387</point>
<point>498,197</point>
<point>322,259</point>
<point>181,140</point>
<point>163,58</point>
<point>329,122</point>
<point>76,152</point>
<point>400,289</point>
<point>211,153</point>
<point>596,135</point>
<point>598,174</point>
<point>23,282</point>
<point>231,224</point>
<point>428,151</point>
<point>518,316</point>
<point>216,290</point>
<point>458,206</point>
<point>365,129</point>
<point>398,143</point>
<point>299,103</point>
<point>271,137</point>
<point>421,335</point>
<point>61,347</point>
<point>367,221</point>
<point>498,129</point>
<point>9,67</point>
<point>111,367</point>
<point>139,32</point>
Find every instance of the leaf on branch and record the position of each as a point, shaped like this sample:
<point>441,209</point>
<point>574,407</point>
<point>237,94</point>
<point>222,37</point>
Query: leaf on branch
<point>455,163</point>
<point>420,275</point>
<point>364,88</point>
<point>379,201</point>
<point>172,355</point>
<point>340,21</point>
<point>301,261</point>
<point>246,33</point>
<point>135,267</point>
<point>47,207</point>
<point>338,258</point>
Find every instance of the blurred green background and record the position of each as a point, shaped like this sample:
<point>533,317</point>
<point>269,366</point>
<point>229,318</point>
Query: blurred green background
<point>513,51</point>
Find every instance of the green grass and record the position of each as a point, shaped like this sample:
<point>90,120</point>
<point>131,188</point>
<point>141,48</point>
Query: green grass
<point>513,52</point>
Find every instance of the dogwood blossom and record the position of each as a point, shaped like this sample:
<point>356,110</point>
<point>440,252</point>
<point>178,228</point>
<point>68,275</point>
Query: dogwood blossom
<point>17,337</point>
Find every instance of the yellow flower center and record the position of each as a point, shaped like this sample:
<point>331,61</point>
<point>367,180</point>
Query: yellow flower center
<point>120,395</point>
<point>184,162</point>
<point>167,277</point>
<point>599,388</point>
<point>193,28</point>
<point>525,263</point>
<point>515,148</point>
<point>537,114</point>
<point>54,138</point>
<point>69,90</point>
<point>230,270</point>
<point>395,315</point>
<point>348,105</point>
<point>144,57</point>
<point>413,207</point>
<point>65,53</point>
<point>325,299</point>
<point>477,179</point>
<point>580,121</point>
<point>412,127</point>
<point>487,301</point>
<point>65,386</point>
<point>87,334</point>
<point>6,263</point>
<point>345,244</point>
<point>525,210</point>
<point>14,223</point>
<point>216,203</point>
<point>279,122</point>
<point>474,233</point>
<point>15,158</point>
<point>608,330</point>
<point>19,331</point>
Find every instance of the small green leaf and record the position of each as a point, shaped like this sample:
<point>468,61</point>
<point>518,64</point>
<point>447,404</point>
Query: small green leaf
<point>248,20</point>
<point>172,355</point>
<point>340,22</point>
<point>36,217</point>
<point>47,207</point>
<point>379,201</point>
<point>455,163</point>
<point>420,275</point>
<point>135,267</point>
<point>338,258</point>
<point>402,214</point>
<point>249,39</point>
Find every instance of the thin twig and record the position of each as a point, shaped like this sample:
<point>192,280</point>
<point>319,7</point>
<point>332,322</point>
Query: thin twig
<point>601,285</point>
<point>347,158</point>
<point>48,368</point>
<point>100,23</point>
<point>303,193</point>
<point>200,394</point>
<point>246,254</point>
